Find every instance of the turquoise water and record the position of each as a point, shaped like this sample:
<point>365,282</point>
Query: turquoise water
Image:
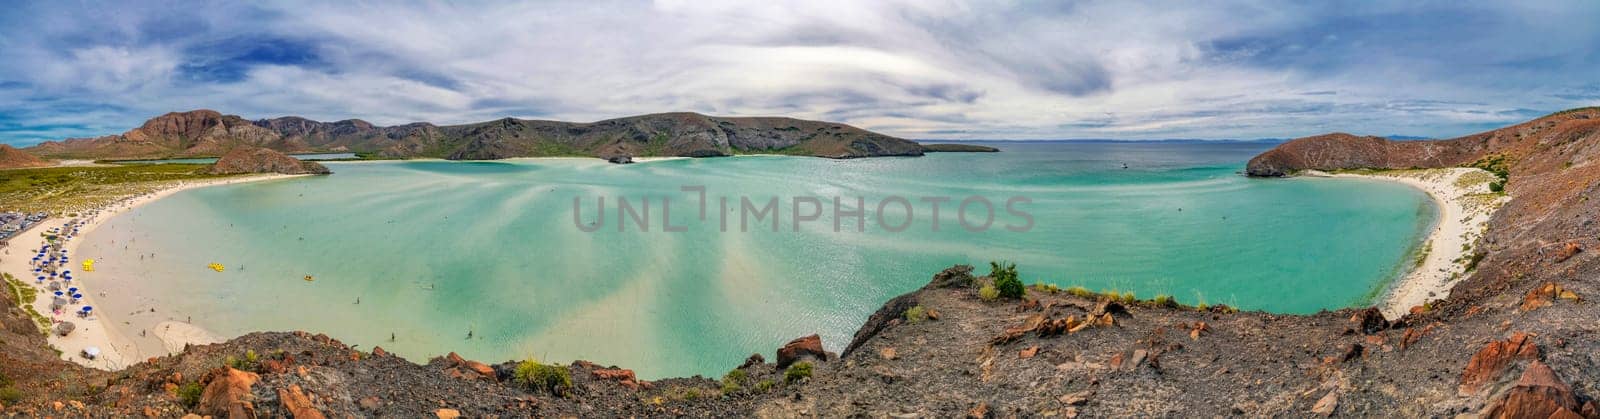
<point>434,250</point>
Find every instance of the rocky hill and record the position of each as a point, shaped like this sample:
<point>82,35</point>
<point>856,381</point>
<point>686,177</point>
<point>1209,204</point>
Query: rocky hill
<point>246,159</point>
<point>209,133</point>
<point>12,158</point>
<point>1515,339</point>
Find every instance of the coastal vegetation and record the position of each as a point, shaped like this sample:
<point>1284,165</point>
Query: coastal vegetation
<point>25,296</point>
<point>797,371</point>
<point>76,189</point>
<point>1006,280</point>
<point>553,379</point>
<point>249,362</point>
<point>189,393</point>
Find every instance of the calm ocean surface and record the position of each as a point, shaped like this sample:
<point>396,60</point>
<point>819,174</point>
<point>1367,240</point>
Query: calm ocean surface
<point>434,250</point>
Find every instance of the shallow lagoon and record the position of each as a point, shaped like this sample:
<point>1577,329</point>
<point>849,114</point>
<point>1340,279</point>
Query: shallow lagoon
<point>434,250</point>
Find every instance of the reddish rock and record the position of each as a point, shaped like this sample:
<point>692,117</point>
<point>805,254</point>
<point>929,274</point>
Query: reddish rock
<point>795,350</point>
<point>1327,404</point>
<point>1029,353</point>
<point>1568,251</point>
<point>297,403</point>
<point>481,369</point>
<point>228,393</point>
<point>981,411</point>
<point>1491,361</point>
<point>447,413</point>
<point>1370,321</point>
<point>1538,394</point>
<point>378,351</point>
<point>622,376</point>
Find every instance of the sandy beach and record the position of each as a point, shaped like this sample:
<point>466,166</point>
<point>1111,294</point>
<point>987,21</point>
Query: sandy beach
<point>98,329</point>
<point>1465,205</point>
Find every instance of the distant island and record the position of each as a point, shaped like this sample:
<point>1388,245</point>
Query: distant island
<point>207,133</point>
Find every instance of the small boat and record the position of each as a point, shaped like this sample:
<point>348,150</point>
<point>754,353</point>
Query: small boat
<point>310,278</point>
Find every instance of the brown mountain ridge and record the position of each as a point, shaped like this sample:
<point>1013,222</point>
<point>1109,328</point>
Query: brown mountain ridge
<point>211,133</point>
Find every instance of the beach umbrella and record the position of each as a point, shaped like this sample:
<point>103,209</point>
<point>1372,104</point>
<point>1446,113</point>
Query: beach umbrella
<point>72,290</point>
<point>91,352</point>
<point>59,293</point>
<point>86,309</point>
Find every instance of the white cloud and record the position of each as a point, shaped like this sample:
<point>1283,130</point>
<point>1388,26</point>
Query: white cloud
<point>920,69</point>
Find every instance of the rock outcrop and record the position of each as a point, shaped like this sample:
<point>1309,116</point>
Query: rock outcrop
<point>243,160</point>
<point>12,158</point>
<point>800,349</point>
<point>209,133</point>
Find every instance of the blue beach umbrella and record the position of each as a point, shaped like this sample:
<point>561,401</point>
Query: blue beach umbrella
<point>77,296</point>
<point>59,293</point>
<point>72,289</point>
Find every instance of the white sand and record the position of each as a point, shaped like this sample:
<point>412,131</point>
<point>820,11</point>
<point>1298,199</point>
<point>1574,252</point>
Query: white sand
<point>117,351</point>
<point>1465,206</point>
<point>176,335</point>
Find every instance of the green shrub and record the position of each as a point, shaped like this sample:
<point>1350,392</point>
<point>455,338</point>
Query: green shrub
<point>10,395</point>
<point>189,393</point>
<point>1165,301</point>
<point>988,293</point>
<point>796,372</point>
<point>1080,292</point>
<point>1006,280</point>
<point>251,362</point>
<point>733,381</point>
<point>765,385</point>
<point>540,377</point>
<point>1497,186</point>
<point>916,314</point>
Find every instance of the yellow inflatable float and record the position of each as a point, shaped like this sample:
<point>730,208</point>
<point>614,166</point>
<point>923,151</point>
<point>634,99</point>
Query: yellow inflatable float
<point>88,265</point>
<point>310,278</point>
<point>216,267</point>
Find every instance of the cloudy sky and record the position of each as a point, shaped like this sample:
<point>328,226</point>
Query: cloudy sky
<point>916,68</point>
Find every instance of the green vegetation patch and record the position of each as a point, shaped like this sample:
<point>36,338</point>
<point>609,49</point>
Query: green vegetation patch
<point>533,375</point>
<point>796,372</point>
<point>1006,280</point>
<point>71,189</point>
<point>24,295</point>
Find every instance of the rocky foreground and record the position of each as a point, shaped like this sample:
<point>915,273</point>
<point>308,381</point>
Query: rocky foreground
<point>209,133</point>
<point>1518,338</point>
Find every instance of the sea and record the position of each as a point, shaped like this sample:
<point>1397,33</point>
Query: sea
<point>687,266</point>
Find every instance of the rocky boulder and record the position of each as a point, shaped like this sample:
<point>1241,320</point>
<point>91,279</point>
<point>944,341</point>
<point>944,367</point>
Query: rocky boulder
<point>801,349</point>
<point>243,160</point>
<point>297,403</point>
<point>1538,394</point>
<point>228,393</point>
<point>1489,363</point>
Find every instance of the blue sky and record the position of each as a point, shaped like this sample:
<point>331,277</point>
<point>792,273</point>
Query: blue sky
<point>915,68</point>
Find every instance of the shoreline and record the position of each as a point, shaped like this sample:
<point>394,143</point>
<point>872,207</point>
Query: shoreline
<point>1464,207</point>
<point>117,349</point>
